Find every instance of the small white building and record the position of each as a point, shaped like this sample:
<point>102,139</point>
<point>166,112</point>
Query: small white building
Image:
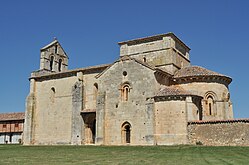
<point>11,128</point>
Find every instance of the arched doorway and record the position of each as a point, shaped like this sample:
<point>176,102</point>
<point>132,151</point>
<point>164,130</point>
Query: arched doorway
<point>93,129</point>
<point>89,119</point>
<point>126,133</point>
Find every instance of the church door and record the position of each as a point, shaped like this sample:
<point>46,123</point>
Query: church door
<point>126,133</point>
<point>89,128</point>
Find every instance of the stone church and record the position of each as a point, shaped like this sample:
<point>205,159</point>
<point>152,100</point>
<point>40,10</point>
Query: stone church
<point>147,97</point>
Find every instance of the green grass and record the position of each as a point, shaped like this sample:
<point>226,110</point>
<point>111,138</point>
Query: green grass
<point>17,154</point>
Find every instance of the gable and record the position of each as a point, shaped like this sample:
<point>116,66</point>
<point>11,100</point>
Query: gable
<point>126,59</point>
<point>55,48</point>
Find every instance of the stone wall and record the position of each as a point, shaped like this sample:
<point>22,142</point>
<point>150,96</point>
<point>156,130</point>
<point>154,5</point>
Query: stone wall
<point>170,122</point>
<point>222,109</point>
<point>219,133</point>
<point>136,110</point>
<point>165,53</point>
<point>52,116</point>
<point>89,99</point>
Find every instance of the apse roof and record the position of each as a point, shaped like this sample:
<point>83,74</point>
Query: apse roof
<point>192,71</point>
<point>174,91</point>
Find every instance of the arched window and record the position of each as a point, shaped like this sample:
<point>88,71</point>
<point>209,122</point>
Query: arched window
<point>52,94</point>
<point>51,62</point>
<point>53,90</point>
<point>144,59</point>
<point>126,133</point>
<point>125,92</point>
<point>210,103</point>
<point>56,49</point>
<point>95,93</point>
<point>59,66</point>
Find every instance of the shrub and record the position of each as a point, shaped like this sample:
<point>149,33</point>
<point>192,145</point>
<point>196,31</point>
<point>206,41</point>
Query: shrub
<point>199,143</point>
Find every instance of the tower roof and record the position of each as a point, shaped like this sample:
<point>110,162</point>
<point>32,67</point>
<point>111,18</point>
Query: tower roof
<point>55,41</point>
<point>50,44</point>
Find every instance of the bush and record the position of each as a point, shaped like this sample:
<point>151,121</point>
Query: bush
<point>199,143</point>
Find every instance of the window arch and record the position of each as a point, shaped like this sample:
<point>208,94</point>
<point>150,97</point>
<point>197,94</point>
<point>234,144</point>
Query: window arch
<point>95,93</point>
<point>125,90</point>
<point>144,59</point>
<point>126,133</point>
<point>60,64</point>
<point>96,88</point>
<point>53,90</point>
<point>210,102</point>
<point>210,98</point>
<point>51,62</point>
<point>52,94</point>
<point>56,49</point>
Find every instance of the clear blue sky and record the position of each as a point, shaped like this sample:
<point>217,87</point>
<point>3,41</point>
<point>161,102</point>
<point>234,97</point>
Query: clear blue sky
<point>217,31</point>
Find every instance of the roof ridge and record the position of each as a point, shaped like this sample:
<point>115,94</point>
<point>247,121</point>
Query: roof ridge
<point>50,44</point>
<point>124,58</point>
<point>153,37</point>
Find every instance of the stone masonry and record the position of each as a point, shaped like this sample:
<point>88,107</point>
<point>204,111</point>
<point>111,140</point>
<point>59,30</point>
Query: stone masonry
<point>219,133</point>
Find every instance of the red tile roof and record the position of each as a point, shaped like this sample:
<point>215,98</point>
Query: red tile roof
<point>173,91</point>
<point>193,71</point>
<point>219,121</point>
<point>12,116</point>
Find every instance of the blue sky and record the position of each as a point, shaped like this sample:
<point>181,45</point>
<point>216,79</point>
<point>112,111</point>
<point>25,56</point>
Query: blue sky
<point>216,31</point>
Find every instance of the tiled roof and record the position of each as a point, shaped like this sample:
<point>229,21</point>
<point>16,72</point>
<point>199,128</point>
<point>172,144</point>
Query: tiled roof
<point>46,73</point>
<point>192,71</point>
<point>12,116</point>
<point>219,121</point>
<point>173,91</point>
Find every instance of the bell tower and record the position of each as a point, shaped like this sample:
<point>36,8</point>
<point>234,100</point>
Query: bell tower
<point>53,58</point>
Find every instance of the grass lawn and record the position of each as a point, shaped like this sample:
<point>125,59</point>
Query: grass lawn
<point>17,154</point>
